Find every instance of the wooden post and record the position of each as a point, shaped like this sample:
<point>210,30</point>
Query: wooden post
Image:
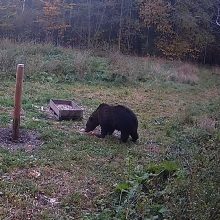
<point>17,101</point>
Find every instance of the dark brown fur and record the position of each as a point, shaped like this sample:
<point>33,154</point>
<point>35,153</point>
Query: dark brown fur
<point>112,118</point>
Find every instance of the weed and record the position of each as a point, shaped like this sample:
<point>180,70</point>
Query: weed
<point>143,194</point>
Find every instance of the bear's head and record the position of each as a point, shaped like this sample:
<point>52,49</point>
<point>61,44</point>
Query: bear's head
<point>92,123</point>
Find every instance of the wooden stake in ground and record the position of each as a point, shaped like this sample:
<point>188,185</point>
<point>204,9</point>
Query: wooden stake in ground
<point>17,101</point>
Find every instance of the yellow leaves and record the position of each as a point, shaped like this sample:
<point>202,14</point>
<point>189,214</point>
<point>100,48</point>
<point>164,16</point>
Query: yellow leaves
<point>177,48</point>
<point>55,26</point>
<point>165,27</point>
<point>53,17</point>
<point>51,10</point>
<point>157,14</point>
<point>154,12</point>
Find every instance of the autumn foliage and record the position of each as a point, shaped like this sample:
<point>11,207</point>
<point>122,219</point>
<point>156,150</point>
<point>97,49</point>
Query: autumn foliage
<point>186,30</point>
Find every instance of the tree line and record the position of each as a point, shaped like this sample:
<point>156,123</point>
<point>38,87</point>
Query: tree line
<point>176,29</point>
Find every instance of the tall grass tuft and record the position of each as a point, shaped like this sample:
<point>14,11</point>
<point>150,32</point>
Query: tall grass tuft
<point>216,70</point>
<point>185,73</point>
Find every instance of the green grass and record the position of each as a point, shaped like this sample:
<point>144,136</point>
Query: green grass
<point>83,173</point>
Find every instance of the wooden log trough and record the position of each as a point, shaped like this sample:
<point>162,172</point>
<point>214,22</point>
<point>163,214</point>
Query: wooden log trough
<point>66,109</point>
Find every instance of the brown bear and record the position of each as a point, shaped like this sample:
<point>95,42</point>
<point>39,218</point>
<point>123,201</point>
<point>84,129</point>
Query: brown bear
<point>112,118</point>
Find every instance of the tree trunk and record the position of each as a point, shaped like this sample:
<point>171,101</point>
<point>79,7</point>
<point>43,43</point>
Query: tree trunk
<point>120,26</point>
<point>23,6</point>
<point>89,23</point>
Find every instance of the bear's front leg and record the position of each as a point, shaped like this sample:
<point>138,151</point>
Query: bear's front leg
<point>104,132</point>
<point>110,131</point>
<point>124,136</point>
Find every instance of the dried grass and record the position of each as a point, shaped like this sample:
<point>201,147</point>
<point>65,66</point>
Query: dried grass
<point>123,66</point>
<point>70,64</point>
<point>207,123</point>
<point>185,73</point>
<point>81,62</point>
<point>216,70</point>
<point>137,68</point>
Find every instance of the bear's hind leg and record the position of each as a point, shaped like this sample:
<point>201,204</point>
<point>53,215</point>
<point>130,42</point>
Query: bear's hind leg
<point>124,136</point>
<point>134,136</point>
<point>110,131</point>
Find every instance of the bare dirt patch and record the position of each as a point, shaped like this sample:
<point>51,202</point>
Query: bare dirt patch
<point>29,140</point>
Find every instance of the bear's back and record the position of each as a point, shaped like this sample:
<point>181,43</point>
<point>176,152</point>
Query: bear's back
<point>125,117</point>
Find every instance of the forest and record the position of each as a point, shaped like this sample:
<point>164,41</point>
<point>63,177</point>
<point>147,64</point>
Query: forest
<point>175,29</point>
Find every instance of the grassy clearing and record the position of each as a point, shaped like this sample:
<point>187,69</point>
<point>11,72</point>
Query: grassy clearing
<point>84,177</point>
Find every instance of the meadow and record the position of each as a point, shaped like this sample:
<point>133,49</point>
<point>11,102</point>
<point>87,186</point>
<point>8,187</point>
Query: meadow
<point>172,172</point>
